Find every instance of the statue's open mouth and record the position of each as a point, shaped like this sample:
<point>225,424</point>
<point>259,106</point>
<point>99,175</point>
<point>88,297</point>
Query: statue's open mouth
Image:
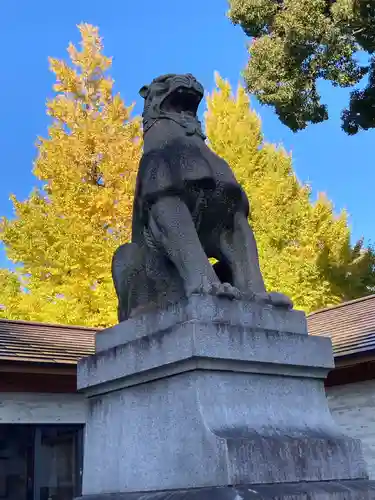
<point>182,100</point>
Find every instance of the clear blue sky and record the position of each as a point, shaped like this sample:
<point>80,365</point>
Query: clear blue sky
<point>147,39</point>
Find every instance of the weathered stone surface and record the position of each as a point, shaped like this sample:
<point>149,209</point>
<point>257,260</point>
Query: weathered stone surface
<point>204,309</point>
<point>243,337</point>
<point>238,400</point>
<point>325,490</point>
<point>205,428</point>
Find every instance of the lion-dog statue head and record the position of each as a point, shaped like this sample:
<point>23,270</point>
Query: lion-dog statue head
<point>173,97</point>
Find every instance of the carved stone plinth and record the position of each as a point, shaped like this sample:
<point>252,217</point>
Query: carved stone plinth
<point>214,399</point>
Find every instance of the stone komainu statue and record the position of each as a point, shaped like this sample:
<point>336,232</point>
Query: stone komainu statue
<point>188,207</point>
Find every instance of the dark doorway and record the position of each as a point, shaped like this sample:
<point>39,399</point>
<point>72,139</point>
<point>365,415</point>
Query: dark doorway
<point>40,462</point>
<point>16,462</point>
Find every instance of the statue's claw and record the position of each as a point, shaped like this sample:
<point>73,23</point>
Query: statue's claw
<point>226,290</point>
<point>275,299</point>
<point>218,289</point>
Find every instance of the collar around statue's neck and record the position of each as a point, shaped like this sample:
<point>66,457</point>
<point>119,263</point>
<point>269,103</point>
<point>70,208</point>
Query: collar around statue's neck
<point>191,126</point>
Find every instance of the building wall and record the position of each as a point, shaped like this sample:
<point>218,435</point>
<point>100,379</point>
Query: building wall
<point>353,408</point>
<point>39,408</point>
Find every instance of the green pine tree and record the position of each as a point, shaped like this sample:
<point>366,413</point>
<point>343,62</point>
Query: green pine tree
<point>296,43</point>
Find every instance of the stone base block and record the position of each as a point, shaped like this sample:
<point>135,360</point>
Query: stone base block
<point>221,393</point>
<point>326,490</point>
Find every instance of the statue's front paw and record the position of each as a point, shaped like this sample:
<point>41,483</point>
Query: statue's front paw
<point>275,299</point>
<point>218,289</point>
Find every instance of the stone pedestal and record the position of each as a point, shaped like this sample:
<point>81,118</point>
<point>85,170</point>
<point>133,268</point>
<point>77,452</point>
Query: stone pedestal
<point>214,399</point>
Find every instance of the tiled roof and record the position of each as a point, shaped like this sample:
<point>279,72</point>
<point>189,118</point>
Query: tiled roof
<point>350,325</point>
<point>44,343</point>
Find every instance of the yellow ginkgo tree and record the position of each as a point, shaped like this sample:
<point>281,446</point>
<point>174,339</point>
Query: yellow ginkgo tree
<point>304,247</point>
<point>63,236</point>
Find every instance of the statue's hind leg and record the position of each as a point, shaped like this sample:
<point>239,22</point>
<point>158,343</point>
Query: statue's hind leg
<point>239,249</point>
<point>238,246</point>
<point>135,291</point>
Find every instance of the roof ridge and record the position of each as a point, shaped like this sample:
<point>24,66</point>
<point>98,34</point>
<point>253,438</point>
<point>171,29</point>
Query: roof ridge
<point>47,325</point>
<point>342,304</point>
